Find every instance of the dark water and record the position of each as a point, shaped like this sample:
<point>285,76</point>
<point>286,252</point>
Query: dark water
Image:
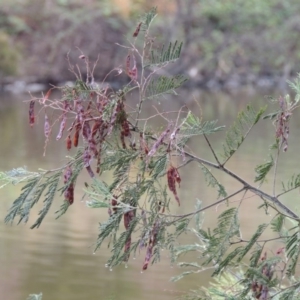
<point>57,259</point>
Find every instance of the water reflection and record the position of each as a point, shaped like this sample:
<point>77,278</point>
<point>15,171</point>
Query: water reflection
<point>57,259</point>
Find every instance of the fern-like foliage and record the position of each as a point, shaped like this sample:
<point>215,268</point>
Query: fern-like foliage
<point>236,135</point>
<point>293,252</point>
<point>277,224</point>
<point>293,183</point>
<point>164,56</point>
<point>164,85</point>
<point>261,228</point>
<point>212,181</point>
<point>148,18</point>
<point>194,126</point>
<point>219,240</point>
<point>52,185</point>
<point>263,169</point>
<point>17,206</point>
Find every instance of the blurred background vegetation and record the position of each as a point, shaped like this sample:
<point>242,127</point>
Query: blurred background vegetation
<point>227,43</point>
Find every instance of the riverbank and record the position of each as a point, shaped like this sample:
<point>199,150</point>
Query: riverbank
<point>226,45</point>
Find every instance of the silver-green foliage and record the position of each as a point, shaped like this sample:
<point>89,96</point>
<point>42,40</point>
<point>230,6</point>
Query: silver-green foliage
<point>144,166</point>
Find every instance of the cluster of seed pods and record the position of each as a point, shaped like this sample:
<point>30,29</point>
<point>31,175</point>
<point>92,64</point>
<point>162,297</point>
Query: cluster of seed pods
<point>88,128</point>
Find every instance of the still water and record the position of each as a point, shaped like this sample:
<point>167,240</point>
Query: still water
<point>57,259</point>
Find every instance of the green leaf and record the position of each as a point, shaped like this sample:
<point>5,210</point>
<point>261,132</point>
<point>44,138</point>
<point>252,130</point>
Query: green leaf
<point>17,205</point>
<point>277,223</point>
<point>164,56</point>
<point>263,169</point>
<point>164,85</point>
<point>212,181</point>
<point>236,135</point>
<point>252,241</point>
<point>52,183</point>
<point>292,184</point>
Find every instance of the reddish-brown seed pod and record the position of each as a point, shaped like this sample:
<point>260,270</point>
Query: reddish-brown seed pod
<point>128,217</point>
<point>114,203</point>
<point>76,135</point>
<point>173,177</point>
<point>46,127</point>
<point>125,127</point>
<point>47,96</point>
<point>31,113</point>
<point>128,64</point>
<point>151,244</point>
<point>122,137</point>
<point>69,143</point>
<point>95,127</point>
<point>69,192</point>
<point>137,30</point>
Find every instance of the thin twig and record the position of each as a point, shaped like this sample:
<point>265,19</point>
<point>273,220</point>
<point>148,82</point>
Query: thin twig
<point>212,150</point>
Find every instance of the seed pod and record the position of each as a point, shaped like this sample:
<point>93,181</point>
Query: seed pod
<point>122,136</point>
<point>62,127</point>
<point>125,127</point>
<point>159,141</point>
<point>31,113</point>
<point>128,217</point>
<point>86,161</point>
<point>86,130</point>
<point>134,73</point>
<point>114,203</point>
<point>143,144</point>
<point>69,143</point>
<point>98,161</point>
<point>46,127</point>
<point>47,96</point>
<point>128,64</point>
<point>137,30</point>
<point>76,135</point>
<point>173,177</point>
<point>69,192</point>
<point>152,243</point>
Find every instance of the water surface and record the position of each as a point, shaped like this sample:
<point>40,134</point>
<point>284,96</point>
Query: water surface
<point>57,259</point>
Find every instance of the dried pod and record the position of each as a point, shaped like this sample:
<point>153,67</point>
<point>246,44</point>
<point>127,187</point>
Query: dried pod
<point>114,203</point>
<point>76,135</point>
<point>173,177</point>
<point>143,144</point>
<point>128,217</point>
<point>46,127</point>
<point>69,192</point>
<point>69,143</point>
<point>47,96</point>
<point>159,142</point>
<point>151,244</point>
<point>133,73</point>
<point>86,130</point>
<point>122,136</point>
<point>61,127</point>
<point>86,161</point>
<point>125,127</point>
<point>128,64</point>
<point>31,112</point>
<point>137,30</point>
